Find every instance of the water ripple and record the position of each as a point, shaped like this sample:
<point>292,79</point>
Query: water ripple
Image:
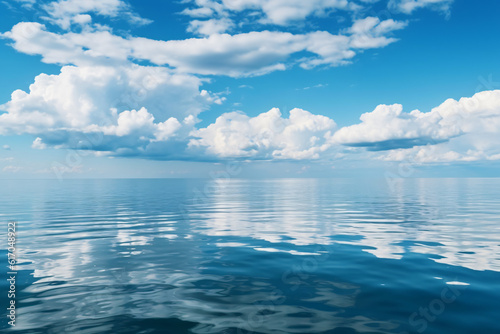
<point>255,256</point>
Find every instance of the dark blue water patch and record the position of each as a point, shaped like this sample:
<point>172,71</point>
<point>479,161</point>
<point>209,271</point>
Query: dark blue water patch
<point>346,237</point>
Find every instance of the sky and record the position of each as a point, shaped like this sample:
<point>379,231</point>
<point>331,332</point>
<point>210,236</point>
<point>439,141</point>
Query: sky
<point>281,88</point>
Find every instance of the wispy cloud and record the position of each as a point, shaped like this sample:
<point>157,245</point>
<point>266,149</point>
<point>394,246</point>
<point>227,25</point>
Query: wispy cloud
<point>247,54</point>
<point>312,87</point>
<point>409,6</point>
<point>12,169</point>
<point>64,13</point>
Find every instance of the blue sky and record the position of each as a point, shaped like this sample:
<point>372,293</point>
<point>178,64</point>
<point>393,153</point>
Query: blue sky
<point>327,88</point>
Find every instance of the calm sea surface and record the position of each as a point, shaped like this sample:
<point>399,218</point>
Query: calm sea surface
<point>254,256</point>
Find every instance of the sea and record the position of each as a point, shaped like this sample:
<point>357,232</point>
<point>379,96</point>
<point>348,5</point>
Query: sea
<point>228,255</point>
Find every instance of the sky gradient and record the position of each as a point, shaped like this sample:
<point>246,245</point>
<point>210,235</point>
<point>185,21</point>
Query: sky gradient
<point>323,88</point>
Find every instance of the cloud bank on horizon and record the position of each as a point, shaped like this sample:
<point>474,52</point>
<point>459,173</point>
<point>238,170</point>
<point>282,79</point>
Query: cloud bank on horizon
<point>106,100</point>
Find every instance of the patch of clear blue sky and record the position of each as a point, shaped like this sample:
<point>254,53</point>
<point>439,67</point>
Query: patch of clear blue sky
<point>436,58</point>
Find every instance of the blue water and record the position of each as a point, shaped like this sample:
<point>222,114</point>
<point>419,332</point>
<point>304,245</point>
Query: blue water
<point>255,256</point>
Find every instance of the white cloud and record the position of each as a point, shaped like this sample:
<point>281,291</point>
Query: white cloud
<point>387,127</point>
<point>210,27</point>
<point>266,136</point>
<point>12,169</point>
<point>409,6</point>
<point>81,96</point>
<point>66,12</point>
<point>278,12</point>
<point>253,53</point>
<point>141,123</point>
<point>38,144</point>
<point>201,12</point>
<point>214,98</point>
<point>6,147</point>
<point>246,54</point>
<point>86,48</point>
<point>370,32</point>
<point>464,130</point>
<point>105,108</point>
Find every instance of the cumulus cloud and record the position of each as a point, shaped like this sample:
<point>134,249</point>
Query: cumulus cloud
<point>387,127</point>
<point>38,144</point>
<point>142,123</point>
<point>247,54</point>
<point>80,96</point>
<point>127,106</point>
<point>464,130</point>
<point>151,112</point>
<point>266,136</point>
<point>130,111</point>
